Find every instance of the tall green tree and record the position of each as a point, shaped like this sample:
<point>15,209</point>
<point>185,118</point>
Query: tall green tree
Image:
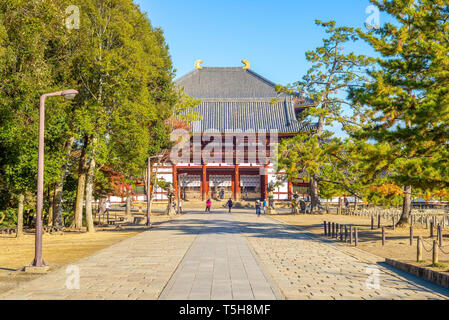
<point>405,104</point>
<point>26,72</point>
<point>332,74</point>
<point>126,87</point>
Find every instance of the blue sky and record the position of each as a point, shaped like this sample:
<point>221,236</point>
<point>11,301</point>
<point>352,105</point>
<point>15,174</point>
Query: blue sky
<point>272,35</point>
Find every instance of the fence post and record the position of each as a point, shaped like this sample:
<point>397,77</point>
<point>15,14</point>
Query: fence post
<point>419,247</point>
<point>435,253</point>
<point>383,236</point>
<point>333,229</point>
<point>378,221</point>
<point>350,234</point>
<point>336,230</point>
<point>329,229</point>
<point>356,236</point>
<point>341,232</point>
<point>431,229</point>
<point>325,228</point>
<point>411,235</point>
<point>394,222</point>
<point>440,235</point>
<point>372,222</point>
<point>346,233</point>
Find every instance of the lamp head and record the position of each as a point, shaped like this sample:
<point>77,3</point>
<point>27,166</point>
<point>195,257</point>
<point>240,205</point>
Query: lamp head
<point>69,94</point>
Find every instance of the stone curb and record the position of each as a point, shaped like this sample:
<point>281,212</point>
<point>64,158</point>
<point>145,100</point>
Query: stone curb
<point>439,278</point>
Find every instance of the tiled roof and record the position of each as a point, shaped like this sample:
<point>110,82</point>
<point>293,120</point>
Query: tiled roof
<point>259,115</point>
<point>235,99</point>
<point>226,83</point>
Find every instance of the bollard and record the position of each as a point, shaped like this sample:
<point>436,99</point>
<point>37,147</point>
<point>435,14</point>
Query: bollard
<point>419,247</point>
<point>325,228</point>
<point>431,229</point>
<point>383,236</point>
<point>333,229</point>
<point>329,227</point>
<point>440,235</point>
<point>336,230</point>
<point>346,233</point>
<point>341,233</point>
<point>350,234</point>
<point>356,231</point>
<point>435,259</point>
<point>372,222</point>
<point>378,221</point>
<point>411,235</point>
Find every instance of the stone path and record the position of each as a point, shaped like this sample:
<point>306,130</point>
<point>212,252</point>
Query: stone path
<point>221,256</point>
<point>309,268</point>
<point>136,268</point>
<point>220,265</point>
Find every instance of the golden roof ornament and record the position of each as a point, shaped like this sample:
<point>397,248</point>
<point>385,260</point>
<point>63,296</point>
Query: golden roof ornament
<point>247,64</point>
<point>198,64</point>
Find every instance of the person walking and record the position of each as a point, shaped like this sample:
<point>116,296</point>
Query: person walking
<point>208,205</point>
<point>180,206</point>
<point>258,209</point>
<point>229,204</point>
<point>265,206</point>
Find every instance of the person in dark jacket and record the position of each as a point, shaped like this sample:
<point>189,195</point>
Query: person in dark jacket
<point>229,204</point>
<point>258,207</point>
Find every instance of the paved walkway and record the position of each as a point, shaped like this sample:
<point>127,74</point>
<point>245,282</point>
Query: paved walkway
<point>306,267</point>
<point>221,256</point>
<point>220,265</point>
<point>136,268</point>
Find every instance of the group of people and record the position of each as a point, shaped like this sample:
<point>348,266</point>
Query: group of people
<point>230,204</point>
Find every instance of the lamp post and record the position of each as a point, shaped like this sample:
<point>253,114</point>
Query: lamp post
<point>148,224</point>
<point>68,94</point>
<point>180,181</point>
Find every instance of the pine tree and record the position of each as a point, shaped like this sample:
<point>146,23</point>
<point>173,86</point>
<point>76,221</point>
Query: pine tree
<point>403,108</point>
<point>332,74</point>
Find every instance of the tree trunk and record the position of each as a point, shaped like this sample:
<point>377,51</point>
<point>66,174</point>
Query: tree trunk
<point>59,187</point>
<point>51,201</point>
<point>406,206</point>
<point>20,216</point>
<point>151,186</point>
<point>128,204</point>
<point>78,220</point>
<point>313,194</point>
<point>313,180</point>
<point>89,188</point>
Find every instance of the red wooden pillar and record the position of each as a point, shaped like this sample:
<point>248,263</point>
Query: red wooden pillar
<point>204,183</point>
<point>290,190</point>
<point>175,180</point>
<point>237,183</point>
<point>265,187</point>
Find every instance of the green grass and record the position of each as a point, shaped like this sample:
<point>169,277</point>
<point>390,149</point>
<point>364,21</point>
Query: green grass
<point>439,265</point>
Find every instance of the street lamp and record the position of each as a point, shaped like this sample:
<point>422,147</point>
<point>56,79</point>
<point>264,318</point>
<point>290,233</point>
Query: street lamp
<point>180,181</point>
<point>68,94</point>
<point>159,157</point>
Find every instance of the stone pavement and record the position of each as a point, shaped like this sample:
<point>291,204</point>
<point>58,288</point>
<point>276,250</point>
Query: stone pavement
<point>306,267</point>
<point>221,256</point>
<point>220,265</point>
<point>136,268</point>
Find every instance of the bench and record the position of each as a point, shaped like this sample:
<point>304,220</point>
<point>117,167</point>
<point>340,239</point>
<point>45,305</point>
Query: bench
<point>11,230</point>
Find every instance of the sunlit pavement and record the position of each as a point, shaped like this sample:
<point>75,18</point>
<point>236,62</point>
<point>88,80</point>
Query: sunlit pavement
<point>222,257</point>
